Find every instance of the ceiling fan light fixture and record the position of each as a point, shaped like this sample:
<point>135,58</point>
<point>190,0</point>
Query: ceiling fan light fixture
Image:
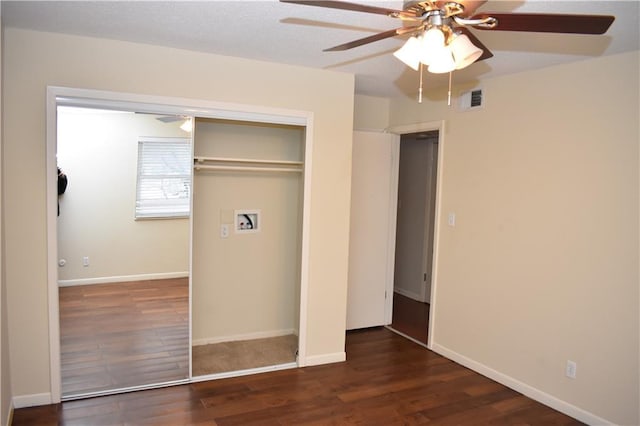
<point>442,61</point>
<point>464,51</point>
<point>432,42</point>
<point>436,21</point>
<point>409,53</point>
<point>187,126</point>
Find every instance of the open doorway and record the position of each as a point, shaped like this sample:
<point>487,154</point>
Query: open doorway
<point>415,227</point>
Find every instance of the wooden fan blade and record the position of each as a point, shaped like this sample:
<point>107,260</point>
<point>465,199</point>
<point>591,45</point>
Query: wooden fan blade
<point>486,53</point>
<point>549,23</point>
<point>351,6</point>
<point>470,6</point>
<point>366,40</point>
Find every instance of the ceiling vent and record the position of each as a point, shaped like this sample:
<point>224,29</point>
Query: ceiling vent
<point>472,99</point>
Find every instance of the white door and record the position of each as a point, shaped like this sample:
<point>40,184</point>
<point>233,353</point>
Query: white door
<point>369,269</point>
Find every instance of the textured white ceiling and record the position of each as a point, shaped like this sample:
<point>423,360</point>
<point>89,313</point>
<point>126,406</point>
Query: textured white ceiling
<point>294,34</point>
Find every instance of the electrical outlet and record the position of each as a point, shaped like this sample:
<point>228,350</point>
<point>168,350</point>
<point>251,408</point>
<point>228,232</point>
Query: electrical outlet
<point>224,231</point>
<point>571,369</point>
<point>85,261</point>
<point>451,219</point>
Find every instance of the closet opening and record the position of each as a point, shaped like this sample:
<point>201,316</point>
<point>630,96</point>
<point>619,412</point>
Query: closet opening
<point>247,223</point>
<point>274,164</point>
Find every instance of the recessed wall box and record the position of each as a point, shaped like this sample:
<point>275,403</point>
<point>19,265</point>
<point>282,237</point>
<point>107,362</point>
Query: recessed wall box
<point>247,221</point>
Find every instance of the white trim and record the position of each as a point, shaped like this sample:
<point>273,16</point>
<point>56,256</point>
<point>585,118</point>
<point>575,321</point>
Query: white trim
<point>10,414</point>
<point>239,337</point>
<point>306,243</point>
<point>391,227</point>
<point>523,388</point>
<point>176,106</point>
<point>23,401</point>
<point>52,248</point>
<point>122,278</point>
<point>415,128</point>
<point>436,237</point>
<point>326,358</point>
<point>246,372</point>
<point>193,181</point>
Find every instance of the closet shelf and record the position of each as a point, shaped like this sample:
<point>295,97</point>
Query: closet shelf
<point>246,164</point>
<point>247,168</point>
<point>247,160</point>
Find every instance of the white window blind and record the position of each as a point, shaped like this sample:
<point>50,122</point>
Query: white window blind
<point>164,177</point>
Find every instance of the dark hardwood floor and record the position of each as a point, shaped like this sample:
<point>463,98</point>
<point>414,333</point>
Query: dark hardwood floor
<point>410,317</point>
<point>124,334</point>
<point>386,380</point>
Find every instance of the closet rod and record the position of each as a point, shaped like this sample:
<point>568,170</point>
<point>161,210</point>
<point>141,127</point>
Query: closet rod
<point>247,160</point>
<point>198,167</point>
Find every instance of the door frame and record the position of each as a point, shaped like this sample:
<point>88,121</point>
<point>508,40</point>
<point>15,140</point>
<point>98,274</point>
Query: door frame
<point>400,130</point>
<point>174,106</point>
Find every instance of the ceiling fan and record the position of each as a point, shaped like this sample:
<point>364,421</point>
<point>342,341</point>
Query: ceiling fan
<point>440,38</point>
<point>187,121</point>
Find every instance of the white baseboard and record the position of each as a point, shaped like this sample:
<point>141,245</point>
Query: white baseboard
<point>247,336</point>
<point>9,419</point>
<point>23,401</point>
<point>523,388</point>
<point>409,294</point>
<point>122,278</point>
<point>312,360</point>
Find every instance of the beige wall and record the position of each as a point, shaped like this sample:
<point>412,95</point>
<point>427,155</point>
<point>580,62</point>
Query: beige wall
<point>371,113</point>
<point>5,376</point>
<point>34,60</point>
<point>542,265</point>
<point>98,150</point>
<point>247,284</point>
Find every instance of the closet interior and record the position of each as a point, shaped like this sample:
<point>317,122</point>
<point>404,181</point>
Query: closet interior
<point>246,245</point>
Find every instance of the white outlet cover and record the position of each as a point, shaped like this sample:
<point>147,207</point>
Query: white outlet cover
<point>451,219</point>
<point>571,369</point>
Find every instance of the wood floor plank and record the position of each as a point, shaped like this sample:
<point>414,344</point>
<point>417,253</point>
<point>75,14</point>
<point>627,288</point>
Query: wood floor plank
<point>410,317</point>
<point>386,380</point>
<point>123,334</point>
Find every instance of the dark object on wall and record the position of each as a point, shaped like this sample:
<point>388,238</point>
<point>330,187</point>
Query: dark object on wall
<point>63,181</point>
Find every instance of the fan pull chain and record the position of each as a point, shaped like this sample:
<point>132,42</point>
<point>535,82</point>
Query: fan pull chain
<point>420,89</point>
<point>449,93</point>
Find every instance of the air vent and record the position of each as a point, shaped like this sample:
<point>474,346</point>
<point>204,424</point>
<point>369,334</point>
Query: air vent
<point>471,100</point>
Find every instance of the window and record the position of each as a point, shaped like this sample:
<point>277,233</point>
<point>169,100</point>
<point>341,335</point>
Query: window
<point>164,177</point>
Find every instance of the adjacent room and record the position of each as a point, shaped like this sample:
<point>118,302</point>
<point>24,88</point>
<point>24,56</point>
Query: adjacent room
<point>123,252</point>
